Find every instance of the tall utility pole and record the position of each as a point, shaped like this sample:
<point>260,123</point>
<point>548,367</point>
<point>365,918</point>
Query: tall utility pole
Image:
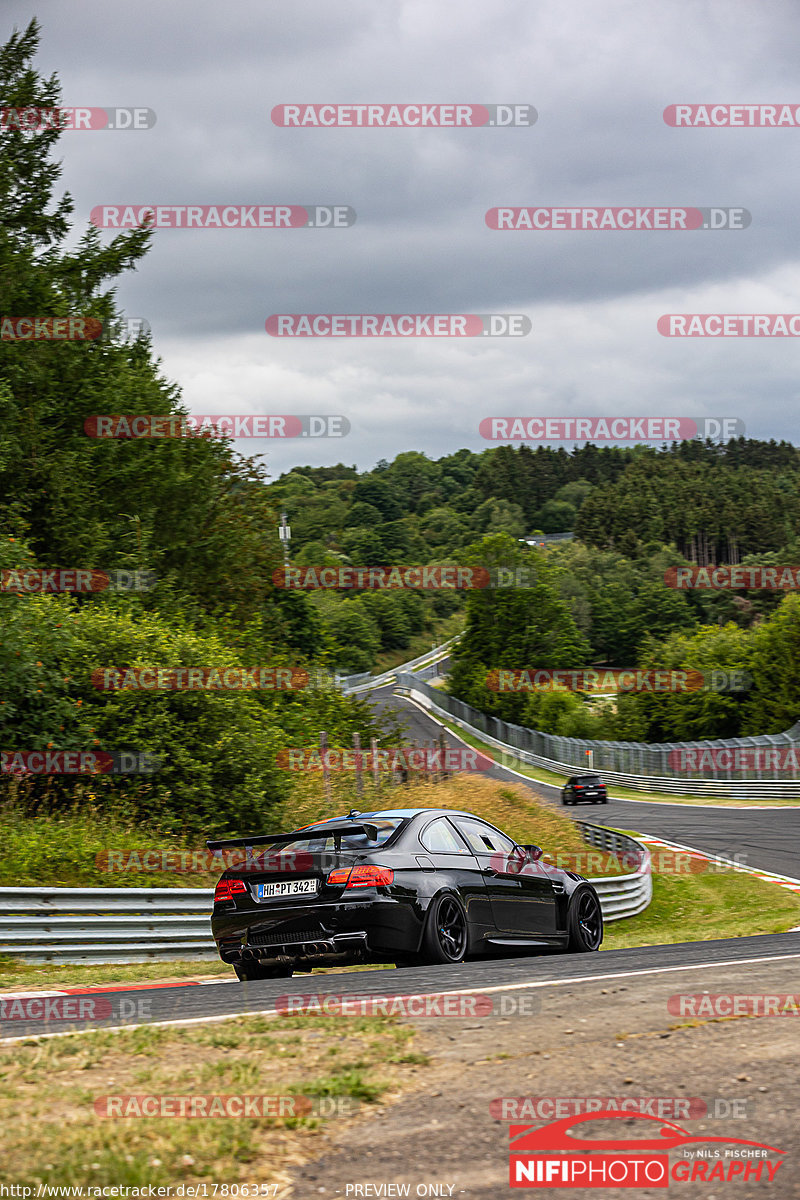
<point>284,533</point>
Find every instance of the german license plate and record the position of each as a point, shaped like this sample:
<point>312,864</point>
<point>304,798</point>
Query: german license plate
<point>287,887</point>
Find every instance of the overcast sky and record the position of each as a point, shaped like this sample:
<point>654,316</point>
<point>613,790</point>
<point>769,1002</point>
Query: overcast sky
<point>599,77</point>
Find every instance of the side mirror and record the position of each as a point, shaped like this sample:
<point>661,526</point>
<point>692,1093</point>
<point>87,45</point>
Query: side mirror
<point>534,852</point>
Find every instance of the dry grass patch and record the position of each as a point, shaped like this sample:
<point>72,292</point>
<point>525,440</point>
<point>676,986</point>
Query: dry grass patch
<point>509,806</point>
<point>52,1134</point>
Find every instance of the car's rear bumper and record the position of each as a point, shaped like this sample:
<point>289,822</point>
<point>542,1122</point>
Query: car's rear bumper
<point>358,929</point>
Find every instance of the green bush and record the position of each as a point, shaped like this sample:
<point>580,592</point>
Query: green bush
<point>217,748</point>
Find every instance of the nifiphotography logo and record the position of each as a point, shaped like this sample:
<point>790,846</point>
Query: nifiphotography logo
<point>551,1156</point>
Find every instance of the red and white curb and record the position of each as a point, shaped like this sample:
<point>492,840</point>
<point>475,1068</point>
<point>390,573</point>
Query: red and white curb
<point>785,881</point>
<point>40,994</point>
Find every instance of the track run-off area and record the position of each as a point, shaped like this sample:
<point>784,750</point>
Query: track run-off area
<point>768,839</point>
<point>645,1024</point>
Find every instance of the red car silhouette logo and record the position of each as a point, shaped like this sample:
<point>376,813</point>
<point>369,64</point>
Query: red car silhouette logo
<point>556,1136</point>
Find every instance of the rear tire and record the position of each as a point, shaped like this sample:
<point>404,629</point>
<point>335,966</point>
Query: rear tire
<point>446,937</point>
<point>248,972</point>
<point>584,921</point>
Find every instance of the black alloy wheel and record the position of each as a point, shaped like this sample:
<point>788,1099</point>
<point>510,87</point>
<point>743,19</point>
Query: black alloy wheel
<point>446,934</point>
<point>585,921</point>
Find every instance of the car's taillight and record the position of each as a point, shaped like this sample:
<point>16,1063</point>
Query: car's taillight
<point>363,876</point>
<point>578,787</point>
<point>226,888</point>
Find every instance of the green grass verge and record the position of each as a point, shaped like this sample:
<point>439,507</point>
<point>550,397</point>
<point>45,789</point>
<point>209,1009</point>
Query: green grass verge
<point>699,908</point>
<point>69,849</point>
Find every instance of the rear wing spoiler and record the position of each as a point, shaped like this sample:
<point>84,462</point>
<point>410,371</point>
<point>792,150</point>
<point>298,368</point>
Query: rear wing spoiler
<point>276,839</point>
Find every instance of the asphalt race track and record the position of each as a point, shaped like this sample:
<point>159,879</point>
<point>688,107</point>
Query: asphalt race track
<point>230,998</point>
<point>765,838</point>
<point>756,837</point>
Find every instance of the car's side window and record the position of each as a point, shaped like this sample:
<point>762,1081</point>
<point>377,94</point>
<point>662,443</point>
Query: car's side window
<point>439,838</point>
<point>483,838</point>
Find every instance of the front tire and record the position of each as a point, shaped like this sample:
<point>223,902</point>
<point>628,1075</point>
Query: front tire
<point>248,972</point>
<point>446,935</point>
<point>584,921</point>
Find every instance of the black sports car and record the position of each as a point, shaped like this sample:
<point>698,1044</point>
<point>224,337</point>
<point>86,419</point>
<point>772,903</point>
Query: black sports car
<point>584,789</point>
<point>408,886</point>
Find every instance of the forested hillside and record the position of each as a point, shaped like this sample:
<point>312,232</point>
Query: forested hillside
<point>187,509</point>
<point>635,512</point>
<point>204,521</point>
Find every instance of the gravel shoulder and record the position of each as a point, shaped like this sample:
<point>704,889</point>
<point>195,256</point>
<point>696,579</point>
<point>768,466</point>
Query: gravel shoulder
<point>595,1039</point>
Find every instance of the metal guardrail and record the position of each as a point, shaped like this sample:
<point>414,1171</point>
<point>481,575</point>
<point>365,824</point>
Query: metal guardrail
<point>545,539</point>
<point>620,895</point>
<point>130,925</point>
<point>105,925</point>
<point>566,756</point>
<point>361,682</point>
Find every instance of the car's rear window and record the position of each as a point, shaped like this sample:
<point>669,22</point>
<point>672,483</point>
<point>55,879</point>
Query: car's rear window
<point>315,843</point>
<point>588,779</point>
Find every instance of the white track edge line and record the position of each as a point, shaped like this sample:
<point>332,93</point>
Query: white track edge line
<point>501,987</point>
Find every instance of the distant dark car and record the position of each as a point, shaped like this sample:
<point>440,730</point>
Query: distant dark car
<point>584,789</point>
<point>408,886</point>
